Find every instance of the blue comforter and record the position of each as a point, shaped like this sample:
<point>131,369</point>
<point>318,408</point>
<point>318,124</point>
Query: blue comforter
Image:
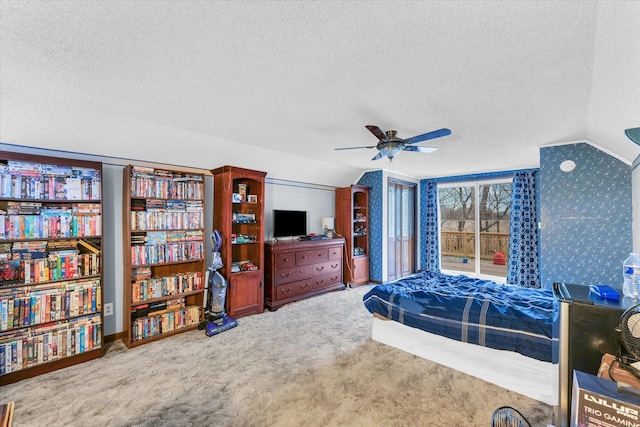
<point>476,311</point>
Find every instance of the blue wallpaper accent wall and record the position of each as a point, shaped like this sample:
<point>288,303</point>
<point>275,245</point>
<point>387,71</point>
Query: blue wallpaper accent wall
<point>422,221</point>
<point>586,216</point>
<point>374,180</point>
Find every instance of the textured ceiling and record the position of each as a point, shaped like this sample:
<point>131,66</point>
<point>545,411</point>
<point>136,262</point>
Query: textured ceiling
<point>287,82</point>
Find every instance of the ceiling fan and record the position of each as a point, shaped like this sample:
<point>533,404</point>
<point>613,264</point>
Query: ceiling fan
<point>389,144</point>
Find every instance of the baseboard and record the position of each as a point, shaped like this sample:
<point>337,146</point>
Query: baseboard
<point>114,337</point>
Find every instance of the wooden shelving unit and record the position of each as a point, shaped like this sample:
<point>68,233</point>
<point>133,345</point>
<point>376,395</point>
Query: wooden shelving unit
<point>50,259</point>
<point>164,252</point>
<point>238,214</point>
<point>352,222</point>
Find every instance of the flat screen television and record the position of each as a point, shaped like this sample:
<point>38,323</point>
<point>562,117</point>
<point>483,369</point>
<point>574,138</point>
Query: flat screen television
<point>289,223</point>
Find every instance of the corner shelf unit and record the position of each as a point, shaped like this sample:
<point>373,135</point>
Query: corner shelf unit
<point>164,253</point>
<point>352,222</point>
<point>50,259</point>
<point>238,214</point>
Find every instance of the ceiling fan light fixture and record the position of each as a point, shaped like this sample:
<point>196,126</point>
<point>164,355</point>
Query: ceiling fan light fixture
<point>633,134</point>
<point>389,144</point>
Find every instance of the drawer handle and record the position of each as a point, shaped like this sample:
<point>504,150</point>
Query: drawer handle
<point>286,291</point>
<point>319,282</point>
<point>319,254</point>
<point>284,276</point>
<point>304,285</point>
<point>334,265</point>
<point>320,268</point>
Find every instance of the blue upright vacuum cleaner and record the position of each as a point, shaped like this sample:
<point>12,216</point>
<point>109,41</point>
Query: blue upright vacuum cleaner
<point>215,316</point>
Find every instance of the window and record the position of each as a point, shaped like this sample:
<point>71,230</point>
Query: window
<point>474,227</point>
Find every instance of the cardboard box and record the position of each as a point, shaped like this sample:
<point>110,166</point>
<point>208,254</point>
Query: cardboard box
<point>596,402</point>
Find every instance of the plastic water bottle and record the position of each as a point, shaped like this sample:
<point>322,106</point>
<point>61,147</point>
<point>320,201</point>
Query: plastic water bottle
<point>631,274</point>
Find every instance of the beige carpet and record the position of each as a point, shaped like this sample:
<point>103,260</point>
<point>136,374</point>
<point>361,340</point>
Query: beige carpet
<point>311,363</point>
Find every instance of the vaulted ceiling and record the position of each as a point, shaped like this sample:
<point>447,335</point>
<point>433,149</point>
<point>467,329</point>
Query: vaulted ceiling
<point>277,86</point>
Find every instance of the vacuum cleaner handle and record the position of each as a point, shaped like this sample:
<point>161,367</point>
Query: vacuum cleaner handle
<point>216,241</point>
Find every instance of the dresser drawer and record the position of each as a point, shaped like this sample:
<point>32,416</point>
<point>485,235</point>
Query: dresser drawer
<point>287,275</point>
<point>312,256</point>
<point>321,282</point>
<point>326,268</point>
<point>294,289</point>
<point>335,253</point>
<point>285,260</point>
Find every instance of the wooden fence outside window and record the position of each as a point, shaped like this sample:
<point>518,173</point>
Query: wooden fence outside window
<point>462,244</point>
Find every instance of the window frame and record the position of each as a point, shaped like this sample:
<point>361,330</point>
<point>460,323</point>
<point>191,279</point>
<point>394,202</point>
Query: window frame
<point>475,184</point>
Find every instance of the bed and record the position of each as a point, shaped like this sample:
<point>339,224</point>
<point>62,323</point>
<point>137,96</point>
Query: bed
<point>503,334</point>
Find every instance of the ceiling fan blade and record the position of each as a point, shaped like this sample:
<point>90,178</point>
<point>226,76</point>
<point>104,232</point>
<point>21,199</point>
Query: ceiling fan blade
<point>420,149</point>
<point>377,132</point>
<point>355,148</point>
<point>429,135</point>
<point>378,156</point>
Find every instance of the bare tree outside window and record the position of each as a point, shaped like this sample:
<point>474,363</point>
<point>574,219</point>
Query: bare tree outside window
<point>474,226</point>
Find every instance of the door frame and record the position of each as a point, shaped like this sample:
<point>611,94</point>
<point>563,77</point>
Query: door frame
<point>398,183</point>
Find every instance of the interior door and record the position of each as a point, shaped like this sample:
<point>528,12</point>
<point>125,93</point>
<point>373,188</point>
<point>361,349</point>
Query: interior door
<point>401,230</point>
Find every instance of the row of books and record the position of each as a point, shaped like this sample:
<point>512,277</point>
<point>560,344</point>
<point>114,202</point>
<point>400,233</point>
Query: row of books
<point>144,220</point>
<point>52,209</point>
<point>29,168</point>
<point>166,189</point>
<point>169,252</point>
<point>49,226</point>
<point>164,321</point>
<point>158,287</point>
<point>169,205</point>
<point>49,342</point>
<point>49,187</point>
<point>150,172</point>
<point>23,308</point>
<point>33,247</point>
<point>156,308</point>
<point>54,267</point>
<point>161,237</point>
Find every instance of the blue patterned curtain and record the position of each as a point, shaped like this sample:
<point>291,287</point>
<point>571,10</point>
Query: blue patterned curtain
<point>523,234</point>
<point>431,261</point>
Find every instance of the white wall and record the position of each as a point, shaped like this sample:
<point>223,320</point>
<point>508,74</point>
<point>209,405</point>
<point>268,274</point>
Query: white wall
<point>317,200</point>
<point>112,181</point>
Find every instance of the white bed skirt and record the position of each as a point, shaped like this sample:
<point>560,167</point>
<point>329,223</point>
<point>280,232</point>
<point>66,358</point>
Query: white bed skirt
<point>507,369</point>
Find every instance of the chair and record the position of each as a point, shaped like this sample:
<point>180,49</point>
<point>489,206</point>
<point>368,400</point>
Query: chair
<point>507,416</point>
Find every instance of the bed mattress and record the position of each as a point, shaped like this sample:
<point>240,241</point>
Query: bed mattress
<point>513,371</point>
<point>475,311</point>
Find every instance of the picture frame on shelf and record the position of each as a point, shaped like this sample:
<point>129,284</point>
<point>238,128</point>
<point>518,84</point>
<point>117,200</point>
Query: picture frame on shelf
<point>252,198</point>
<point>237,198</point>
<point>242,189</point>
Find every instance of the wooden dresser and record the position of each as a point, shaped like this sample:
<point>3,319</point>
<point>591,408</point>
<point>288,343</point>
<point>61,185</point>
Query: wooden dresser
<point>301,268</point>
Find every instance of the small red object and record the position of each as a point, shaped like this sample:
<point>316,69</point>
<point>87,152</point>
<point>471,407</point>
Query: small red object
<point>499,258</point>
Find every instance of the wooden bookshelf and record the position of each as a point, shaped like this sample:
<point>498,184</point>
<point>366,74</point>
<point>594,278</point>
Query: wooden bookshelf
<point>164,252</point>
<point>238,214</point>
<point>51,283</point>
<point>352,222</point>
